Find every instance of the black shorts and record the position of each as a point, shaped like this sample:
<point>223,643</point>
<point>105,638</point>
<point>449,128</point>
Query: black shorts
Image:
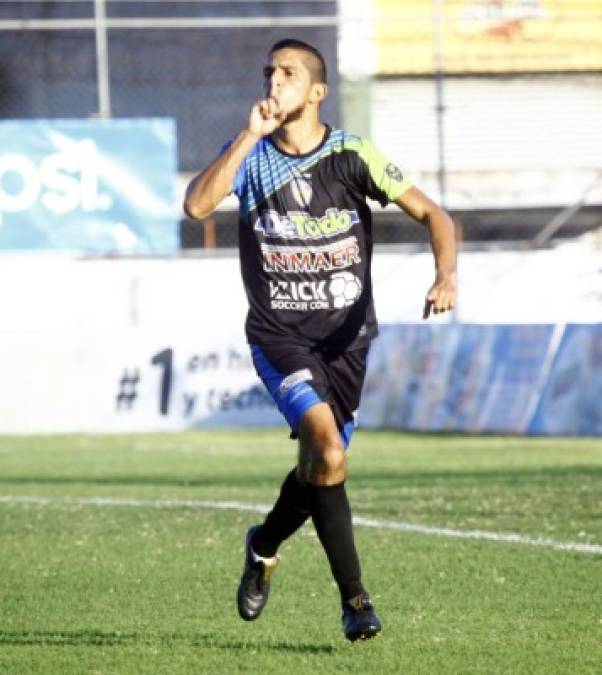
<point>300,377</point>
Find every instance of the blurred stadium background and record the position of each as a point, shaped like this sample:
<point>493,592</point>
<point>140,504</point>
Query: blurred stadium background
<point>110,106</point>
<point>493,106</point>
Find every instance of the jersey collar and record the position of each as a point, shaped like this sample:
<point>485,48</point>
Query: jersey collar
<point>325,137</point>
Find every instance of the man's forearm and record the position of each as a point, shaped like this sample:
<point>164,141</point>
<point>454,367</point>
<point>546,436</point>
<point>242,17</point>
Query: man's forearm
<point>206,190</point>
<point>443,241</point>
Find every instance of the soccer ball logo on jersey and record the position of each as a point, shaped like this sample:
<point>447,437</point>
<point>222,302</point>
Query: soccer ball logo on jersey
<point>345,289</point>
<point>302,190</point>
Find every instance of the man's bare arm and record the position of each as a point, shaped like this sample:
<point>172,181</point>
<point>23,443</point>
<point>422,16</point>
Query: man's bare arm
<point>441,296</point>
<point>206,190</point>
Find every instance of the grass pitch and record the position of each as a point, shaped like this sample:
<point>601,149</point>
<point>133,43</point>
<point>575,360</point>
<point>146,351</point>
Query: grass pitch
<point>148,588</point>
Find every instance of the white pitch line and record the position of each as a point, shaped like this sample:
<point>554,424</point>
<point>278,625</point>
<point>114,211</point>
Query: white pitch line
<point>362,521</point>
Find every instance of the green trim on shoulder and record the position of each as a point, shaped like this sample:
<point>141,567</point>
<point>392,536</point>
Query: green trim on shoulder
<point>386,175</point>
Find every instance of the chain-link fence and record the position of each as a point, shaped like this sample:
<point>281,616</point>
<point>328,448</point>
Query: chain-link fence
<point>204,76</point>
<point>493,116</point>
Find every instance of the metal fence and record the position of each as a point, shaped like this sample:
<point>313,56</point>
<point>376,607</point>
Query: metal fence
<point>506,150</point>
<point>198,62</point>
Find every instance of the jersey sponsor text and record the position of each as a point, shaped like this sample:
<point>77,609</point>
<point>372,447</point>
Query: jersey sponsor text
<point>300,225</point>
<point>335,256</point>
<point>298,296</point>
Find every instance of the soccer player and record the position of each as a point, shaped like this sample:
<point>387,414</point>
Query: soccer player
<point>305,240</point>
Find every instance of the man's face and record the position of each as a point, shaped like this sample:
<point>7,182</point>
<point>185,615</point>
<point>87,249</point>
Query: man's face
<point>287,79</point>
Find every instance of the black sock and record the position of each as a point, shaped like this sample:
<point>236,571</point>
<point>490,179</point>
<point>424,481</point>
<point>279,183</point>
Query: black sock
<point>290,511</point>
<point>331,514</point>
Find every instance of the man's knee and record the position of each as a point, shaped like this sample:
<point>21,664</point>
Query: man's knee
<point>325,465</point>
<point>322,459</point>
<point>329,465</point>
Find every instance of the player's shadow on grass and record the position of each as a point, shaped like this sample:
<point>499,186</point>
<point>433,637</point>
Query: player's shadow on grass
<point>59,638</point>
<point>87,638</point>
<point>266,645</point>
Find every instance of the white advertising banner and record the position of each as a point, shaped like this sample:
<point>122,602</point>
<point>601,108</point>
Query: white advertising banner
<point>129,380</point>
<point>105,345</point>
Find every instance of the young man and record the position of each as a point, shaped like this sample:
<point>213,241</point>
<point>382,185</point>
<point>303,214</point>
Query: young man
<point>305,241</point>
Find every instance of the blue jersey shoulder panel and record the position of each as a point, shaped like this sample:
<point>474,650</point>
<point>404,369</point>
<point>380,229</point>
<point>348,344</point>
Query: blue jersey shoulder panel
<point>265,170</point>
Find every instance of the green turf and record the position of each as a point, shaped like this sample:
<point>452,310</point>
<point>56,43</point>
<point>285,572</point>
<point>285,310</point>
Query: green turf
<point>90,589</point>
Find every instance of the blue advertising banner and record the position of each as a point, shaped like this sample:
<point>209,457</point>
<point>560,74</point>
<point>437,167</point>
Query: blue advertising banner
<point>571,398</point>
<point>99,186</point>
<point>536,379</point>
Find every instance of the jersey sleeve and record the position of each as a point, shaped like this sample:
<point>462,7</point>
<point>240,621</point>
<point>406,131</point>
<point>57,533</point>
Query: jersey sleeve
<point>379,178</point>
<point>240,176</point>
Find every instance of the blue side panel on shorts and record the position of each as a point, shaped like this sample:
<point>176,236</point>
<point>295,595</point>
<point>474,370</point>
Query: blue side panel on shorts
<point>347,432</point>
<point>294,401</point>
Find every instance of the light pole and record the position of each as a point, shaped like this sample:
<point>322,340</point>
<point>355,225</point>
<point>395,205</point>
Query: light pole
<point>102,59</point>
<point>438,19</point>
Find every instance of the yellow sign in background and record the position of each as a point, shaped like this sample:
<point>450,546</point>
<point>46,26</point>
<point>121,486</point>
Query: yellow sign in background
<point>487,36</point>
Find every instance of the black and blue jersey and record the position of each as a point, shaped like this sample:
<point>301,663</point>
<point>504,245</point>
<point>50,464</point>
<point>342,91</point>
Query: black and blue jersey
<point>305,240</point>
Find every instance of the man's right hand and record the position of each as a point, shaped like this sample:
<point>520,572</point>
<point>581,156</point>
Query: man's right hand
<point>206,190</point>
<point>265,117</point>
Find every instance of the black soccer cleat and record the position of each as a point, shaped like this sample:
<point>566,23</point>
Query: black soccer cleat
<point>254,586</point>
<point>359,620</point>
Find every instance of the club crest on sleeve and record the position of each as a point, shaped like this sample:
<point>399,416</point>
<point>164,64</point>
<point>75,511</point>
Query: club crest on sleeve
<point>394,172</point>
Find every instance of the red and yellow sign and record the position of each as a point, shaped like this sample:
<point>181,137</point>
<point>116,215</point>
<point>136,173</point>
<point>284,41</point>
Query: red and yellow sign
<point>459,36</point>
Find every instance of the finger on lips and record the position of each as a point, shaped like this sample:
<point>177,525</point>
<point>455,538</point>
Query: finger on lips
<point>273,106</point>
<point>264,109</point>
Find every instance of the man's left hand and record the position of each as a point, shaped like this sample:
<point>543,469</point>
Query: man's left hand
<point>441,296</point>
